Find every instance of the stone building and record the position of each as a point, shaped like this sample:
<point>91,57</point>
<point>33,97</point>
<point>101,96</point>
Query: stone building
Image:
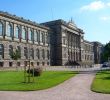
<point>65,42</point>
<point>87,53</point>
<point>98,49</point>
<point>51,43</point>
<point>30,38</point>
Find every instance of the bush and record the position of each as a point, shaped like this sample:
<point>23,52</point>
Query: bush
<point>37,71</point>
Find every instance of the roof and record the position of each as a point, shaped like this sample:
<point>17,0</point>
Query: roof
<point>6,14</point>
<point>69,24</point>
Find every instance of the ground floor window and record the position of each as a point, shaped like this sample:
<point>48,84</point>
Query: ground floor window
<point>32,64</point>
<point>10,64</point>
<point>43,63</point>
<point>1,64</point>
<point>37,63</point>
<point>47,63</point>
<point>18,63</point>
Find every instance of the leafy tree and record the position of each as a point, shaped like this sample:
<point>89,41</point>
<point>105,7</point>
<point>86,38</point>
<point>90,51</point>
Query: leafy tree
<point>15,55</point>
<point>106,52</point>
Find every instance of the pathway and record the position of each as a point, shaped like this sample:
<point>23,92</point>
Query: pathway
<point>76,88</point>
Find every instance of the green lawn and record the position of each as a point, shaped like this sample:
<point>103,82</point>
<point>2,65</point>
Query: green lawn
<point>101,82</point>
<point>10,80</point>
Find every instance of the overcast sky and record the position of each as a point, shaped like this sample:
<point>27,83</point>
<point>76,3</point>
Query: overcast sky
<point>93,16</point>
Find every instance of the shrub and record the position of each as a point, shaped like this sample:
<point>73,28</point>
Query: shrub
<point>37,71</point>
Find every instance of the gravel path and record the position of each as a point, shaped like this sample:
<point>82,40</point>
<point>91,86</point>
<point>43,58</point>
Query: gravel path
<point>76,88</point>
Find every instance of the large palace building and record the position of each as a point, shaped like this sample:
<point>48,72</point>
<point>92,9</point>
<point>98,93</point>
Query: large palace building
<point>50,43</point>
<point>65,42</point>
<point>30,38</point>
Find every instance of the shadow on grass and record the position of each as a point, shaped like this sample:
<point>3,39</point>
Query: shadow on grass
<point>104,75</point>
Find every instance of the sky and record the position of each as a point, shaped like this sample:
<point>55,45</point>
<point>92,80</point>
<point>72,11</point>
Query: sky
<point>92,16</point>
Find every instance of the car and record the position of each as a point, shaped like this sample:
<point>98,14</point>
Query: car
<point>105,64</point>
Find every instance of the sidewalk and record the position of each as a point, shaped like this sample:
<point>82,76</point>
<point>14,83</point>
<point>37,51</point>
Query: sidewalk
<point>76,88</point>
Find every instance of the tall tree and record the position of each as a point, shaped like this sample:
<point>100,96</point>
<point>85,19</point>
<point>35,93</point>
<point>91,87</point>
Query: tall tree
<point>15,55</point>
<point>106,52</point>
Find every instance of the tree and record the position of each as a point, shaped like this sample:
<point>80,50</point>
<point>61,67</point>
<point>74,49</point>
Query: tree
<point>15,55</point>
<point>106,52</point>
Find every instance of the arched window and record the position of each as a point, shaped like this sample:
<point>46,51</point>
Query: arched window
<point>38,53</point>
<point>1,51</point>
<point>9,30</point>
<point>43,54</point>
<point>30,35</point>
<point>17,31</point>
<point>24,33</point>
<point>48,54</point>
<point>19,49</point>
<point>10,50</point>
<point>46,38</point>
<point>1,29</point>
<point>32,53</point>
<point>41,37</point>
<point>26,52</point>
<point>36,36</point>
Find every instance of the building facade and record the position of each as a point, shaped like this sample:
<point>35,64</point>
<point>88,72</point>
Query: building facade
<point>51,43</point>
<point>87,53</point>
<point>30,38</point>
<point>65,42</point>
<point>98,49</point>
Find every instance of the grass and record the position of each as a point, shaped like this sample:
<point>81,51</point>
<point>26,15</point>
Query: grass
<point>13,81</point>
<point>101,83</point>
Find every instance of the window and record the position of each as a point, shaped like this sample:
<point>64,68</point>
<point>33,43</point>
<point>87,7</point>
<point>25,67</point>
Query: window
<point>17,31</point>
<point>41,37</point>
<point>1,29</point>
<point>43,54</point>
<point>47,38</point>
<point>38,63</point>
<point>10,64</point>
<point>19,50</point>
<point>64,40</point>
<point>32,53</point>
<point>24,33</point>
<point>1,51</point>
<point>26,52</point>
<point>18,63</point>
<point>43,63</point>
<point>47,63</point>
<point>30,35</point>
<point>37,53</point>
<point>36,36</point>
<point>48,54</point>
<point>9,30</point>
<point>1,64</point>
<point>10,50</point>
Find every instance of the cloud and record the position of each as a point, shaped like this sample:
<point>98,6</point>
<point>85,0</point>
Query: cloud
<point>94,6</point>
<point>108,4</point>
<point>105,18</point>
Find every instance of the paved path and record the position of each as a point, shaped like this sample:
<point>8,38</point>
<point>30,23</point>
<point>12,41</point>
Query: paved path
<point>76,88</point>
